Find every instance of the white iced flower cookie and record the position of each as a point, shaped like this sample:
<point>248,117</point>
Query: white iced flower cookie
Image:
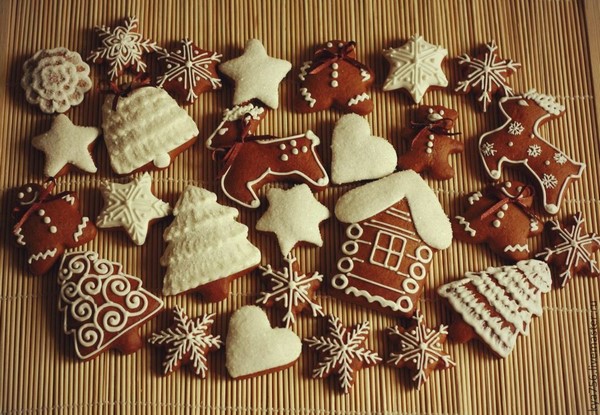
<point>256,74</point>
<point>415,66</point>
<point>55,79</point>
<point>132,206</point>
<point>145,130</point>
<point>356,154</point>
<point>293,216</point>
<point>254,348</point>
<point>66,145</point>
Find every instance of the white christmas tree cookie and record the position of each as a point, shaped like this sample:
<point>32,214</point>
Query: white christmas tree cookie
<point>132,206</point>
<point>256,74</point>
<point>145,130</point>
<point>207,248</point>
<point>66,145</point>
<point>254,348</point>
<point>293,216</point>
<point>356,154</point>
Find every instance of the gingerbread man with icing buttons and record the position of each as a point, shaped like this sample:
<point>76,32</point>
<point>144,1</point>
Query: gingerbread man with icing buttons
<point>335,78</point>
<point>432,142</point>
<point>48,224</point>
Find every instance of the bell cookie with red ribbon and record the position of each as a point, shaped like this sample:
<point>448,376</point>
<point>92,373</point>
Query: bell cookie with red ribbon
<point>48,224</point>
<point>238,122</point>
<point>432,142</point>
<point>501,216</point>
<point>335,78</point>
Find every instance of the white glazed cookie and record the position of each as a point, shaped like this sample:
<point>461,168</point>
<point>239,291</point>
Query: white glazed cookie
<point>65,145</point>
<point>254,348</point>
<point>146,130</point>
<point>132,206</point>
<point>256,74</point>
<point>293,216</point>
<point>356,154</point>
<point>55,79</point>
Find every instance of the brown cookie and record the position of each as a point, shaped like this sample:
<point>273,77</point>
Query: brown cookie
<point>237,123</point>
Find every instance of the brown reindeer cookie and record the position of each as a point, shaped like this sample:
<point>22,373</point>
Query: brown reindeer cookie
<point>335,78</point>
<point>518,141</point>
<point>239,121</point>
<point>432,142</point>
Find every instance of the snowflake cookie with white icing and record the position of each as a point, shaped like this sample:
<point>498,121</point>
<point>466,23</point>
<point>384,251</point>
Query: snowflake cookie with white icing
<point>335,78</point>
<point>254,348</point>
<point>187,342</point>
<point>415,67</point>
<point>131,206</point>
<point>55,79</point>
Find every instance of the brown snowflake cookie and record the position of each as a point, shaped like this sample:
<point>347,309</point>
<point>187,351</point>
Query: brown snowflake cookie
<point>420,349</point>
<point>335,78</point>
<point>432,142</point>
<point>572,249</point>
<point>48,224</point>
<point>187,341</point>
<point>343,352</point>
<point>122,48</point>
<point>501,216</point>
<point>238,122</point>
<point>518,141</point>
<point>103,307</point>
<point>189,71</point>
<point>55,79</point>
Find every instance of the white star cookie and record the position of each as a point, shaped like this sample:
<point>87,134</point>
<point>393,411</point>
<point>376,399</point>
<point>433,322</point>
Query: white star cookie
<point>67,144</point>
<point>131,206</point>
<point>256,74</point>
<point>293,216</point>
<point>415,66</point>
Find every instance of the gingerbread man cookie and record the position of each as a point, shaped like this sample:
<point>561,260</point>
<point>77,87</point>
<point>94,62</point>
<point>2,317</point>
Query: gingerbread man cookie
<point>432,142</point>
<point>335,78</point>
<point>48,224</point>
<point>501,216</point>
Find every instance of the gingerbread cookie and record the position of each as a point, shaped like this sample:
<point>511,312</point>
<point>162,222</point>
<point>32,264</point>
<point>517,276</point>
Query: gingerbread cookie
<point>207,248</point>
<point>343,352</point>
<point>122,48</point>
<point>254,348</point>
<point>256,75</point>
<point>572,249</point>
<point>48,224</point>
<point>501,216</point>
<point>55,79</point>
<point>356,154</point>
<point>66,145</point>
<point>486,74</point>
<point>103,307</point>
<point>189,71</point>
<point>293,216</point>
<point>132,206</point>
<point>497,305</point>
<point>415,67</point>
<point>187,341</point>
<point>291,290</point>
<point>145,129</point>
<point>432,142</point>
<point>238,123</point>
<point>259,160</point>
<point>420,349</point>
<point>395,225</point>
<point>335,78</point>
<point>518,141</point>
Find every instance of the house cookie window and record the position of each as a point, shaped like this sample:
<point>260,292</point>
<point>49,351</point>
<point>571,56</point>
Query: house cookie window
<point>388,250</point>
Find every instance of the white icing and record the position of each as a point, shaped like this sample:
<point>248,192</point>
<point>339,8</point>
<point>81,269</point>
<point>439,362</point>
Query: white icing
<point>247,110</point>
<point>20,237</point>
<point>80,228</point>
<point>304,70</point>
<point>547,102</point>
<point>162,160</point>
<point>474,198</point>
<point>359,98</point>
<point>308,97</point>
<point>515,128</point>
<point>365,75</point>
<point>516,247</point>
<point>48,253</point>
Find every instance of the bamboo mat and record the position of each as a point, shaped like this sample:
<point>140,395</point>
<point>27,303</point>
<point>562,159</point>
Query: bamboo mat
<point>546,373</point>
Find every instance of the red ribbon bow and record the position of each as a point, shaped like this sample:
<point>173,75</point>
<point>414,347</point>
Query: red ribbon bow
<point>523,199</point>
<point>141,80</point>
<point>325,57</point>
<point>234,150</point>
<point>44,196</point>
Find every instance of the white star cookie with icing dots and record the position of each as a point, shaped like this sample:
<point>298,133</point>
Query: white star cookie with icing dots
<point>293,216</point>
<point>132,206</point>
<point>256,74</point>
<point>65,145</point>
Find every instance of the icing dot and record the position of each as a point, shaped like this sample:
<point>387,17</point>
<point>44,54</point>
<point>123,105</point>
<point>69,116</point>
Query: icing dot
<point>500,214</point>
<point>431,137</point>
<point>180,79</point>
<point>340,45</point>
<point>441,112</point>
<point>284,157</point>
<point>282,146</point>
<point>53,229</point>
<point>46,219</point>
<point>496,223</point>
<point>532,136</point>
<point>430,110</point>
<point>20,195</point>
<point>547,162</point>
<point>329,44</point>
<point>304,149</point>
<point>510,144</point>
<point>519,188</point>
<point>29,189</point>
<point>293,143</point>
<point>188,64</point>
<point>508,185</point>
<point>429,151</point>
<point>334,66</point>
<point>429,144</point>
<point>504,207</point>
<point>334,84</point>
<point>334,74</point>
<point>294,151</point>
<point>206,66</point>
<point>41,212</point>
<point>169,66</point>
<point>162,160</point>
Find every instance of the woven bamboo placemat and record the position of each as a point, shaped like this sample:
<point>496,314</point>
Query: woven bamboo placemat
<point>553,370</point>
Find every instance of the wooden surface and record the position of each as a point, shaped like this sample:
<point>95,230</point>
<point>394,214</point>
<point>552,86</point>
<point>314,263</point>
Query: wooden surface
<point>548,370</point>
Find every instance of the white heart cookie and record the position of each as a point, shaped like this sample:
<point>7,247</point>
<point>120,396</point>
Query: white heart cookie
<point>356,154</point>
<point>254,348</point>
